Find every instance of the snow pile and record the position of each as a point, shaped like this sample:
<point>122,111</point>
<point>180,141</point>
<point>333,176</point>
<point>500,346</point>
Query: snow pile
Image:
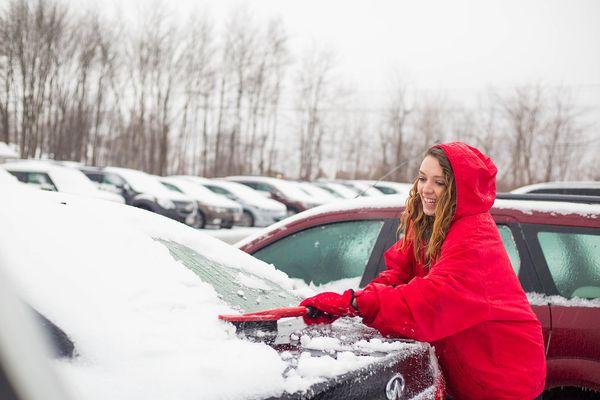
<point>538,299</point>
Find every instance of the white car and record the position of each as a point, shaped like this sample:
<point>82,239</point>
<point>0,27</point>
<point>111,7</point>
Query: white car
<point>47,176</point>
<point>388,187</point>
<point>337,189</point>
<point>581,188</point>
<point>283,191</point>
<point>362,188</point>
<point>319,194</point>
<point>131,300</point>
<point>213,209</point>
<point>258,210</point>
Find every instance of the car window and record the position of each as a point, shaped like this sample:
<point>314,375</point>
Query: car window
<point>113,179</point>
<point>171,187</point>
<point>264,187</point>
<point>324,253</point>
<point>218,190</point>
<point>385,189</point>
<point>96,177</point>
<point>238,288</point>
<point>511,247</point>
<point>573,260</point>
<point>39,179</point>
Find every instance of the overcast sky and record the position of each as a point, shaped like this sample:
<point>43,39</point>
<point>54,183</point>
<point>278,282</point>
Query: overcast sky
<point>460,46</point>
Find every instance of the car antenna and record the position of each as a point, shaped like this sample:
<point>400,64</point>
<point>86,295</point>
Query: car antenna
<point>395,169</point>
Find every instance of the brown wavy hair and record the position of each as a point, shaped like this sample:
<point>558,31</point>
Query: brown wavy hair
<point>427,233</point>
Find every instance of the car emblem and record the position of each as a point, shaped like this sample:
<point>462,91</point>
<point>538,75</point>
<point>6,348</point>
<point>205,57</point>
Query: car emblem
<point>394,387</point>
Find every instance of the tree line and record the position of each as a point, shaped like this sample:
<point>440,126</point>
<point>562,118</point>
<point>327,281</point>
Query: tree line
<point>167,96</point>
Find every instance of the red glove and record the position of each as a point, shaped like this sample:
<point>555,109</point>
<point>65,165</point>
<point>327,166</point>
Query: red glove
<point>331,306</point>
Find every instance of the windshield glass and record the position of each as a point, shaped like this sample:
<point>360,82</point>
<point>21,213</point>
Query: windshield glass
<point>240,289</point>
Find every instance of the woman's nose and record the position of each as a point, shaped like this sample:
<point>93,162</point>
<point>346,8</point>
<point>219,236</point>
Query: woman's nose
<point>428,187</point>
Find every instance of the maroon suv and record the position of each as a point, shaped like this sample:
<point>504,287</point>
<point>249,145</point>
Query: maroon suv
<point>554,247</point>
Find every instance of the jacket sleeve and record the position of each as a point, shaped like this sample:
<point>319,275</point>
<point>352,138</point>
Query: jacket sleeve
<point>400,265</point>
<point>449,299</point>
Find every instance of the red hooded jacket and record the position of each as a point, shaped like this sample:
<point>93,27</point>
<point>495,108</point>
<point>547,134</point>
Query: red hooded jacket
<point>470,304</point>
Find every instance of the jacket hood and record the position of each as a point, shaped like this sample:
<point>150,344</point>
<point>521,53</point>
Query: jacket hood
<point>474,176</point>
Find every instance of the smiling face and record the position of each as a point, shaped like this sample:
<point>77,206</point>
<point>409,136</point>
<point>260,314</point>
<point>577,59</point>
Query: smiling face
<point>431,184</point>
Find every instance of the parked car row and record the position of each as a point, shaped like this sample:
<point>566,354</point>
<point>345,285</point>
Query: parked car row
<point>198,202</point>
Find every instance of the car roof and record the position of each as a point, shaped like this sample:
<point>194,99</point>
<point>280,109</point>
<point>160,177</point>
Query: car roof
<point>33,166</point>
<point>558,185</point>
<point>391,206</point>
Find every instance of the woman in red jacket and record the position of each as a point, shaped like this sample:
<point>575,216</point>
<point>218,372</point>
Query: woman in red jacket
<point>449,282</point>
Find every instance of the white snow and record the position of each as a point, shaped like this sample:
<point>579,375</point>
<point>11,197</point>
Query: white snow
<point>144,326</point>
<point>538,299</point>
<point>551,207</point>
<point>232,235</point>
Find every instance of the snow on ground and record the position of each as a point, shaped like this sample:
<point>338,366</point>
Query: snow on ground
<point>232,235</point>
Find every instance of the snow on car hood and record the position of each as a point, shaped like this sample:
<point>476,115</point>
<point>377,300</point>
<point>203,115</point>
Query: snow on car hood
<point>144,326</point>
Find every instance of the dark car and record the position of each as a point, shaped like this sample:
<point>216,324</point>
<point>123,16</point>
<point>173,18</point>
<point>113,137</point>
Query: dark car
<point>145,191</point>
<point>554,248</point>
<point>132,300</point>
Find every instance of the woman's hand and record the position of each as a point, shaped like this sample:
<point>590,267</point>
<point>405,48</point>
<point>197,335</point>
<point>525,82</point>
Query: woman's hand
<point>331,305</point>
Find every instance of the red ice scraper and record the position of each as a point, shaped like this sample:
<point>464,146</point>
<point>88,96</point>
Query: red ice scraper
<point>266,321</point>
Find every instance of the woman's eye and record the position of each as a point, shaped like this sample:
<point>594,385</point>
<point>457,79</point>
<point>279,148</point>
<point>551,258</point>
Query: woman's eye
<point>441,183</point>
<point>421,179</point>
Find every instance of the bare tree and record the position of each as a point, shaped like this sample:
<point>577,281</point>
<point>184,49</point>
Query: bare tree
<point>393,133</point>
<point>315,93</point>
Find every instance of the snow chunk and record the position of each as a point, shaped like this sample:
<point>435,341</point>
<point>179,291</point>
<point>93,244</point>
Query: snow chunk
<point>326,366</point>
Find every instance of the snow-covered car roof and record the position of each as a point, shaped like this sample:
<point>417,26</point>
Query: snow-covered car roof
<point>7,178</point>
<point>147,184</point>
<point>66,179</point>
<point>558,185</point>
<point>198,192</point>
<point>395,201</point>
<point>289,189</point>
<point>139,295</point>
<point>244,192</point>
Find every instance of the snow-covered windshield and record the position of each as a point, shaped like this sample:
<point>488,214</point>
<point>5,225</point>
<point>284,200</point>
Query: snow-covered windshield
<point>244,291</point>
<point>71,181</point>
<point>316,192</point>
<point>142,182</point>
<point>291,190</point>
<point>199,192</point>
<point>239,190</point>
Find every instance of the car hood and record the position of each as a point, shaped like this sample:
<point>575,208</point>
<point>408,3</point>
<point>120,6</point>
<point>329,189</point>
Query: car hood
<point>119,282</point>
<point>347,360</point>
